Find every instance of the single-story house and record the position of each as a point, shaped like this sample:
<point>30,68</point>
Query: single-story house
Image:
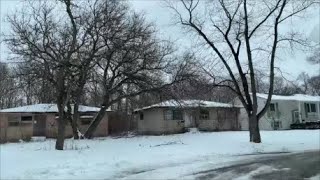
<point>174,116</point>
<point>284,111</point>
<point>41,120</point>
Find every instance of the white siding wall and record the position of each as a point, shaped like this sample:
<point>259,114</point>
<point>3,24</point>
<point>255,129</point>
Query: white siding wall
<point>285,114</point>
<point>153,123</point>
<point>285,109</point>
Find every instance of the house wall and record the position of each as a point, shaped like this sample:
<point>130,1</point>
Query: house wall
<point>153,123</point>
<point>24,130</point>
<point>220,119</point>
<point>310,116</point>
<point>3,127</point>
<point>284,114</point>
<point>101,131</point>
<point>119,122</point>
<point>52,127</point>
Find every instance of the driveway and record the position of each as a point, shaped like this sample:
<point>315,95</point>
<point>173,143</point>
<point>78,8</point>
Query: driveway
<point>293,166</point>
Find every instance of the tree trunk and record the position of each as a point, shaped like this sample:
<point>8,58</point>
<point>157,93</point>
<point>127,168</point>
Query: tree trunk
<point>94,124</point>
<point>74,122</point>
<point>254,131</point>
<point>61,129</point>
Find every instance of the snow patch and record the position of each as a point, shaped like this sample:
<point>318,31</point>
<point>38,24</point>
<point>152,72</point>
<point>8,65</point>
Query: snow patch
<point>150,157</point>
<point>261,170</point>
<point>295,97</point>
<point>188,103</point>
<point>316,177</point>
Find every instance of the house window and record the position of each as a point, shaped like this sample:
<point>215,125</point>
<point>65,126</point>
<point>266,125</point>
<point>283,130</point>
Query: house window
<point>204,114</point>
<point>173,115</point>
<point>168,115</point>
<point>26,118</point>
<point>272,107</point>
<point>13,121</point>
<point>85,121</point>
<point>177,115</point>
<point>141,115</point>
<point>277,125</point>
<point>311,107</point>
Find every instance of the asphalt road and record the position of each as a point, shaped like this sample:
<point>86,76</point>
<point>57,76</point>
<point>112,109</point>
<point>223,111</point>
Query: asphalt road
<point>293,166</point>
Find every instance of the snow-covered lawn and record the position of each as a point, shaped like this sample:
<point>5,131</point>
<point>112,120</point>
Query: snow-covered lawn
<point>170,156</point>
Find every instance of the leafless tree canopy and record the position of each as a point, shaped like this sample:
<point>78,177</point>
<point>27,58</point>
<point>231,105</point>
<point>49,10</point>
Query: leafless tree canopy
<point>102,46</point>
<point>243,35</point>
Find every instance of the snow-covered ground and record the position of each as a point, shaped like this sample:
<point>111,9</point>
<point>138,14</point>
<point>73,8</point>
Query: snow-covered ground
<point>170,156</point>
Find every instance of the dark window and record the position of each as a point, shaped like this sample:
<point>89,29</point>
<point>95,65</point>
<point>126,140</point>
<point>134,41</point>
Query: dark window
<point>272,107</point>
<point>204,114</point>
<point>26,118</point>
<point>311,107</point>
<point>85,121</point>
<point>173,115</point>
<point>177,115</point>
<point>277,125</point>
<point>141,116</point>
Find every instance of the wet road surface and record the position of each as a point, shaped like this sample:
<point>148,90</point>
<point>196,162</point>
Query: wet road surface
<point>293,166</point>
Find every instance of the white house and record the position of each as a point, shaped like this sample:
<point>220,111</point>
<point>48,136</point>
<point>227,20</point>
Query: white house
<point>284,111</point>
<point>176,116</point>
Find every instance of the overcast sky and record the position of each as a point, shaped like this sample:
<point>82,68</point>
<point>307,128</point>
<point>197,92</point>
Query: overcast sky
<point>291,64</point>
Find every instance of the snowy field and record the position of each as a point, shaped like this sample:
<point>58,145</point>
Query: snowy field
<point>171,156</point>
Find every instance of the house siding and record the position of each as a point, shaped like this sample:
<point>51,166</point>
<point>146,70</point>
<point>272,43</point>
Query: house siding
<point>154,123</point>
<point>284,114</point>
<point>25,130</point>
<point>3,127</point>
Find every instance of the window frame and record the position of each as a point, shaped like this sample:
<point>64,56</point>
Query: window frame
<point>141,116</point>
<point>173,114</point>
<point>168,114</point>
<point>203,113</point>
<point>311,107</point>
<point>13,121</point>
<point>29,118</point>
<point>84,121</point>
<point>177,114</point>
<point>274,107</point>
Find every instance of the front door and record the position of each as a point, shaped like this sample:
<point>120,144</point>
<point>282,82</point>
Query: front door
<point>39,125</point>
<point>296,117</point>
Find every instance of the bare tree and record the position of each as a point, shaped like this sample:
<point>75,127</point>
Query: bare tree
<point>228,27</point>
<point>304,77</point>
<point>8,92</point>
<point>314,82</point>
<point>48,43</point>
<point>33,88</point>
<point>315,57</point>
<point>135,61</point>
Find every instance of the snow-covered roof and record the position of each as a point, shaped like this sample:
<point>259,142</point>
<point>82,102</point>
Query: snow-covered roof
<point>45,108</point>
<point>295,97</point>
<point>188,103</point>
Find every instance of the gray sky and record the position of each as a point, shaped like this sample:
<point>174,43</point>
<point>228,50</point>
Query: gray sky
<point>290,64</point>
